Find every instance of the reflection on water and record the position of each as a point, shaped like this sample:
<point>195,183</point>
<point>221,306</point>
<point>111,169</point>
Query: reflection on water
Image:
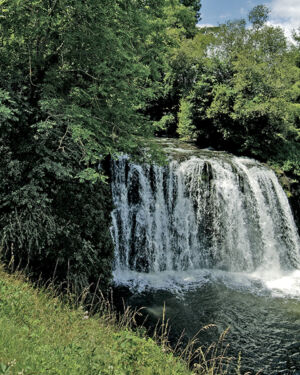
<point>263,315</point>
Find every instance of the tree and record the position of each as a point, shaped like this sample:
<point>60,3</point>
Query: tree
<point>241,92</point>
<point>259,15</point>
<point>180,22</point>
<point>185,124</point>
<point>195,5</point>
<point>75,80</point>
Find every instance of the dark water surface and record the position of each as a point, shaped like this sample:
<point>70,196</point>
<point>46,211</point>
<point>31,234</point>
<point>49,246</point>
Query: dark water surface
<point>264,328</point>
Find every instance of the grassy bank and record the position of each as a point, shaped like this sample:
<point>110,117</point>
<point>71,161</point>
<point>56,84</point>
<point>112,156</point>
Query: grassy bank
<point>41,335</point>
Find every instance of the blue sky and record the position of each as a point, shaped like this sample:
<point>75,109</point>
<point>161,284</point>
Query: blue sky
<point>284,13</point>
<point>214,12</point>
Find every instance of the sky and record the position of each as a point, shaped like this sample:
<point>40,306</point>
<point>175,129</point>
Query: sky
<point>284,13</point>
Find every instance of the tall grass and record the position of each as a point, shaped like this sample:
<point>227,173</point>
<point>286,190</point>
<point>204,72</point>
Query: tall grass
<point>41,333</point>
<point>212,360</point>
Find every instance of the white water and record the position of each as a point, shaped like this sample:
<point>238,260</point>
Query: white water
<point>208,218</point>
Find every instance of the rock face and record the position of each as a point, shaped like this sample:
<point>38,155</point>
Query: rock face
<point>291,184</point>
<point>295,203</point>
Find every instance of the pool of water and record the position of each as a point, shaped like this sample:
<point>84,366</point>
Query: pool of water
<point>263,314</point>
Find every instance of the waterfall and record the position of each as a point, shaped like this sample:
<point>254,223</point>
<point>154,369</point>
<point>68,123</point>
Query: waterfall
<point>204,210</point>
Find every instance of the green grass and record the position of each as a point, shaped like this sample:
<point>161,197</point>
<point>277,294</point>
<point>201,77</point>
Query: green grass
<point>41,335</point>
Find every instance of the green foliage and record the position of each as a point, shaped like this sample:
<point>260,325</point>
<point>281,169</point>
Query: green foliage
<point>194,4</point>
<point>75,81</point>
<point>242,85</point>
<point>5,369</point>
<point>55,226</point>
<point>185,125</point>
<point>259,15</point>
<point>180,20</point>
<point>85,70</point>
<point>255,111</point>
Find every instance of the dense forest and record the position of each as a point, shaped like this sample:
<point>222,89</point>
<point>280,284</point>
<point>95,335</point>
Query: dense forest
<point>82,82</point>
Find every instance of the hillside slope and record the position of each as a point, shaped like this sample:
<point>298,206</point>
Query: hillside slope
<point>40,335</point>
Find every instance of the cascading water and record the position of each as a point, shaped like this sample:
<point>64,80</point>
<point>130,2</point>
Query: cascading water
<point>213,238</point>
<point>205,211</point>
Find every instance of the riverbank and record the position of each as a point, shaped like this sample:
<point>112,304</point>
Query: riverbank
<point>41,335</point>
